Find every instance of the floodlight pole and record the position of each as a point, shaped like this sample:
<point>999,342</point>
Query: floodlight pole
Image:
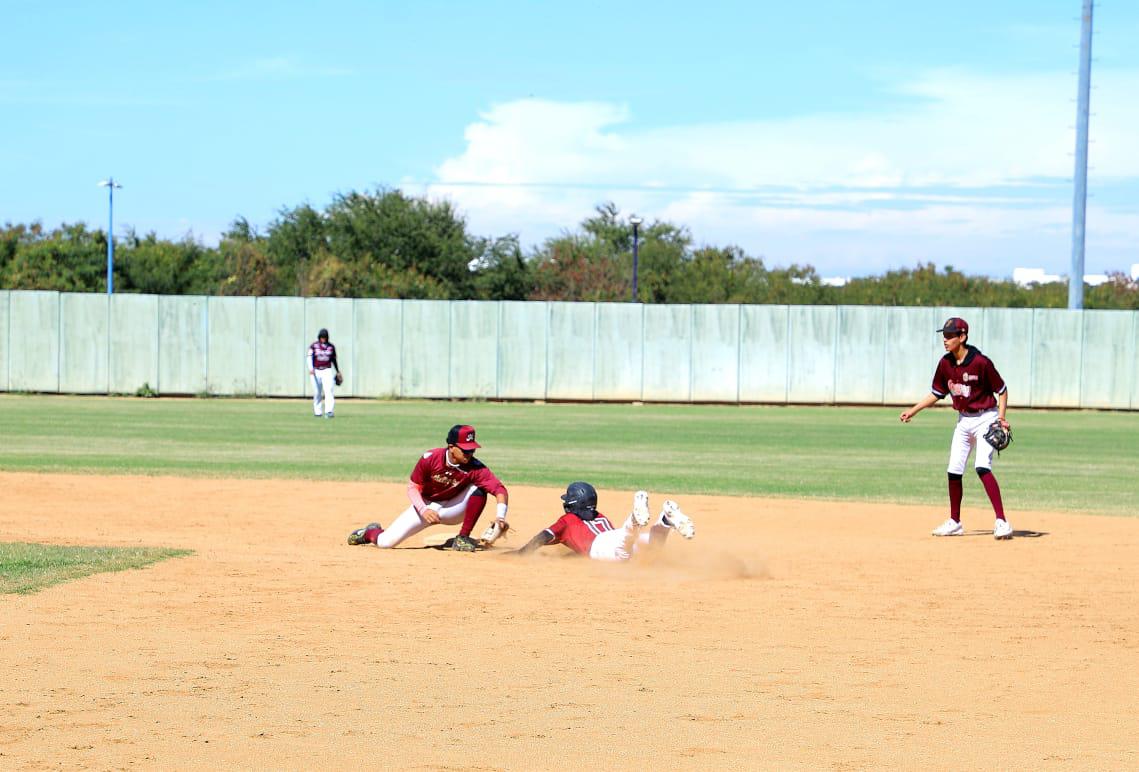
<point>110,185</point>
<point>1080,198</point>
<point>636,223</point>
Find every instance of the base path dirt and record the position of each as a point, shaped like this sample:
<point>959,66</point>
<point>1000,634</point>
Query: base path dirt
<point>787,634</point>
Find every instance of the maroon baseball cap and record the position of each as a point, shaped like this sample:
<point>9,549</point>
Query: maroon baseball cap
<point>463,436</point>
<point>955,324</point>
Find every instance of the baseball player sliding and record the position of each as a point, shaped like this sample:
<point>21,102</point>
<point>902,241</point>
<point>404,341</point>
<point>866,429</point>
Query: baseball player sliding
<point>980,396</point>
<point>448,485</point>
<point>588,532</point>
<point>321,360</point>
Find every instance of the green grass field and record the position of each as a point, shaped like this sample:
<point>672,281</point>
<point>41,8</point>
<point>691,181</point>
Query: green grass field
<point>1077,461</point>
<point>25,568</point>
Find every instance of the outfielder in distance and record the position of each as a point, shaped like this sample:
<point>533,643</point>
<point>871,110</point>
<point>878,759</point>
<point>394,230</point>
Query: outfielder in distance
<point>448,485</point>
<point>980,396</point>
<point>321,360</point>
<point>588,532</point>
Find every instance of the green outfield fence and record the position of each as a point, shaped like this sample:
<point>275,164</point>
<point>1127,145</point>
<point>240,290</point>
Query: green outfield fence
<point>83,343</point>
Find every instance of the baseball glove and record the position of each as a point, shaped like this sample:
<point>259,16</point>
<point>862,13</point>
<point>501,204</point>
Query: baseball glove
<point>493,531</point>
<point>339,379</point>
<point>998,436</point>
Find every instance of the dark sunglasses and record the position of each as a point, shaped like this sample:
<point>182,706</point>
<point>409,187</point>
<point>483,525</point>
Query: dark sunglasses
<point>951,335</point>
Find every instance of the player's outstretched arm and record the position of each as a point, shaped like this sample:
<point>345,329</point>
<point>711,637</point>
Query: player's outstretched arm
<point>927,401</point>
<point>540,540</point>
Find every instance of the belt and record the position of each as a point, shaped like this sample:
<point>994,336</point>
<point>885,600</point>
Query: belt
<point>977,413</point>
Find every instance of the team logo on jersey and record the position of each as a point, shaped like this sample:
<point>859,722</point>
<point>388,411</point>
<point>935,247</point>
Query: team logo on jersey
<point>960,389</point>
<point>970,377</point>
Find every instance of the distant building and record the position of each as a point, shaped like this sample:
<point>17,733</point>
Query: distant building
<point>1027,276</point>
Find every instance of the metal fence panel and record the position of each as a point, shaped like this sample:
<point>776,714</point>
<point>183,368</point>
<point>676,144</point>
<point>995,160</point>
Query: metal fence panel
<point>619,356</point>
<point>908,357</point>
<point>715,353</point>
<point>338,316</point>
<point>763,353</point>
<point>379,340</point>
<point>282,344</point>
<point>474,348</point>
<point>83,354</point>
<point>133,342</point>
<point>811,364</point>
<point>1057,355</point>
<point>1108,359</point>
<point>5,306</point>
<point>33,341</point>
<point>573,331</point>
<point>522,350</point>
<point>1135,363</point>
<point>1008,342</point>
<point>860,354</point>
<point>668,353</point>
<point>183,345</point>
<point>231,345</point>
<point>426,348</point>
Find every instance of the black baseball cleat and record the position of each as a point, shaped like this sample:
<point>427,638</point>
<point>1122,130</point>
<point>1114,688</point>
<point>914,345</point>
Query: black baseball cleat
<point>464,544</point>
<point>358,536</point>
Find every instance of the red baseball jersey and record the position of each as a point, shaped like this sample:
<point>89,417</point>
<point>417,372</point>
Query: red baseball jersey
<point>322,355</point>
<point>971,383</point>
<point>578,534</point>
<point>438,479</point>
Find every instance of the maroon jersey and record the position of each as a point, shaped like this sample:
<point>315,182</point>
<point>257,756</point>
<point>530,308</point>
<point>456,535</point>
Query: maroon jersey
<point>972,383</point>
<point>322,355</point>
<point>578,534</point>
<point>438,479</point>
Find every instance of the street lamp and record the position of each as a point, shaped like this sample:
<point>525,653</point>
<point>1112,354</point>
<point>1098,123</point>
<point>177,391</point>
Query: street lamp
<point>636,223</point>
<point>110,185</point>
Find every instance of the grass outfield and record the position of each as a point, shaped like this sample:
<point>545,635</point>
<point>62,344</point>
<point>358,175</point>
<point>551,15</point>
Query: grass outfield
<point>25,568</point>
<point>1078,461</point>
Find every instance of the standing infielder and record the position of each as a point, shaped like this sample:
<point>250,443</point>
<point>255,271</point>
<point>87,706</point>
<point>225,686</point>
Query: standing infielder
<point>321,360</point>
<point>588,532</point>
<point>448,485</point>
<point>972,380</point>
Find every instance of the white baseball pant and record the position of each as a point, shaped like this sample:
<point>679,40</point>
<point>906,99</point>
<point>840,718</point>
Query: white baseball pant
<point>322,384</point>
<point>967,435</point>
<point>409,523</point>
<point>622,543</point>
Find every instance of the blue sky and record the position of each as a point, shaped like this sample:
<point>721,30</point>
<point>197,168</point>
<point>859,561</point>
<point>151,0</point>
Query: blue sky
<point>856,137</point>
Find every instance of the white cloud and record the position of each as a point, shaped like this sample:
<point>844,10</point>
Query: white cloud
<point>972,163</point>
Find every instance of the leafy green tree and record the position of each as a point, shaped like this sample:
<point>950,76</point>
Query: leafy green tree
<point>68,259</point>
<point>502,273</point>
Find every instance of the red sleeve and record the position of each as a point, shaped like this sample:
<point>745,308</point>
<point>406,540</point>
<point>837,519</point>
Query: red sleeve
<point>940,385</point>
<point>486,479</point>
<point>422,471</point>
<point>558,529</point>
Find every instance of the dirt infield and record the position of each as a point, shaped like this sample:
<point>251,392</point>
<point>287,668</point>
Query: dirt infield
<point>787,634</point>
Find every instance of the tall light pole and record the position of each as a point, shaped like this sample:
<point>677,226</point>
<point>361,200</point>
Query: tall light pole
<point>1080,199</point>
<point>636,223</point>
<point>110,185</point>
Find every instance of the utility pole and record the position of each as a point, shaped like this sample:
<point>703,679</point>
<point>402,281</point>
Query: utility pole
<point>1080,199</point>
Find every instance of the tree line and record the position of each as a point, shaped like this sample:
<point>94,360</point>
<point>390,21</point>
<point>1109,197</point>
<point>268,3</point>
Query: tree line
<point>384,243</point>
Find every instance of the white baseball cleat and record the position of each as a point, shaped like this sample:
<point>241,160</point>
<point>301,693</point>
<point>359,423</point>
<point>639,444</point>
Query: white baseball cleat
<point>671,516</point>
<point>949,528</point>
<point>1002,529</point>
<point>641,508</point>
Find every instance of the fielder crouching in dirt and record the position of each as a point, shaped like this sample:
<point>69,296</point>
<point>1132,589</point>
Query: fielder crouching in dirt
<point>448,485</point>
<point>588,532</point>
